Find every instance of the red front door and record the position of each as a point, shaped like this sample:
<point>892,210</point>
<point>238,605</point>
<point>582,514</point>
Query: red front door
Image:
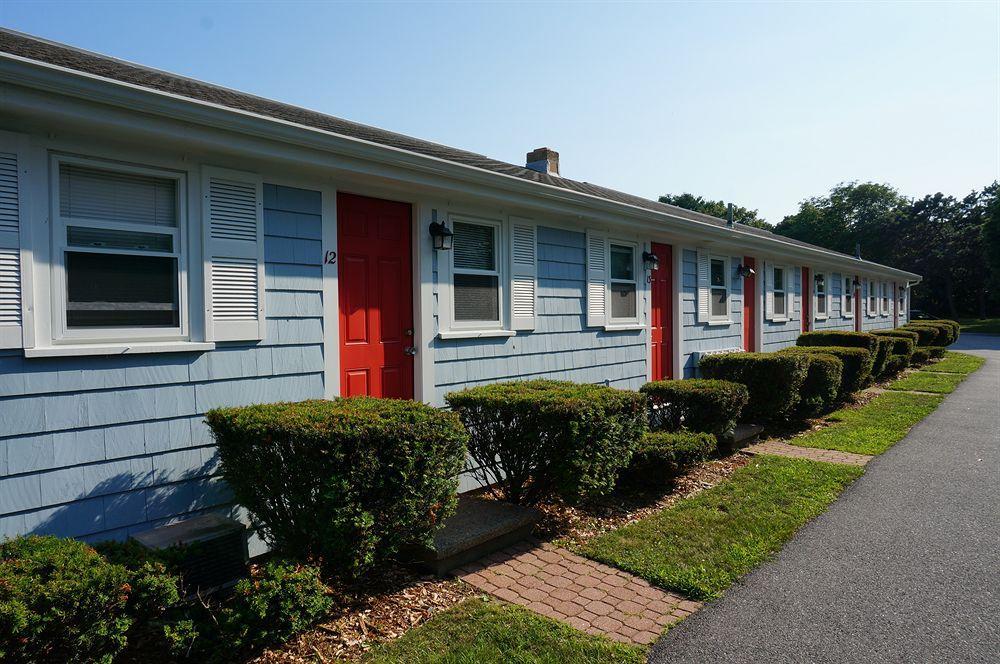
<point>749,306</point>
<point>661,318</point>
<point>806,300</point>
<point>376,297</point>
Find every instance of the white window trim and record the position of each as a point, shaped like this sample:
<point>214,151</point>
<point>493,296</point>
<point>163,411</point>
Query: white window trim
<point>727,318</point>
<point>785,274</point>
<point>871,296</point>
<point>60,333</point>
<point>825,295</point>
<point>629,322</point>
<point>847,298</point>
<point>453,329</point>
<point>884,309</point>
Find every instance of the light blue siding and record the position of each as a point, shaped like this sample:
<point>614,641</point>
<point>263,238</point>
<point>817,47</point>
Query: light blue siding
<point>878,321</point>
<point>835,319</point>
<point>561,347</point>
<point>780,334</point>
<point>697,337</point>
<point>102,447</point>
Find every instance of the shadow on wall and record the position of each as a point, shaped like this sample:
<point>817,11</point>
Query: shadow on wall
<point>129,502</point>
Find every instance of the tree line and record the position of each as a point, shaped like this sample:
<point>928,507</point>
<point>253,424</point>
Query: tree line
<point>954,243</point>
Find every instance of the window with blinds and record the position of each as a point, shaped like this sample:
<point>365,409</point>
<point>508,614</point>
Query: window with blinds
<point>118,237</point>
<point>622,284</point>
<point>476,273</point>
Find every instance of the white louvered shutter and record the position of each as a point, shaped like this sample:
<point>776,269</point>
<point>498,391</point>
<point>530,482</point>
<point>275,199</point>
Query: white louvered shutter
<point>768,291</point>
<point>234,255</point>
<point>12,211</point>
<point>597,278</point>
<point>704,266</point>
<point>523,273</point>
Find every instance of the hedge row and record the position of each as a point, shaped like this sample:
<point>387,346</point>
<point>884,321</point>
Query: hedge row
<point>663,455</point>
<point>712,406</point>
<point>935,332</point>
<point>773,380</point>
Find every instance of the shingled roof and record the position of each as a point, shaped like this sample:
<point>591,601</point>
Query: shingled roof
<point>69,57</point>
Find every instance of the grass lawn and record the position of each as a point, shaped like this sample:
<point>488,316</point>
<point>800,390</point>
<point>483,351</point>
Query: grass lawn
<point>926,381</point>
<point>702,544</point>
<point>480,632</point>
<point>956,363</point>
<point>980,325</point>
<point>874,427</point>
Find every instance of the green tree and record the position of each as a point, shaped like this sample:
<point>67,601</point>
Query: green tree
<point>991,245</point>
<point>741,215</point>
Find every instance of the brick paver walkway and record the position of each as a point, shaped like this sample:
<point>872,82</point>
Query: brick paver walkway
<point>794,451</point>
<point>587,595</point>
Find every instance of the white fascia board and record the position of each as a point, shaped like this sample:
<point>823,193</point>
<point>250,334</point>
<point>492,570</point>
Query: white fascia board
<point>31,73</point>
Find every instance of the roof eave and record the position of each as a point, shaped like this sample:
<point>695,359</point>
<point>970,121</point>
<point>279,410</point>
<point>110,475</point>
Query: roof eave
<point>32,73</point>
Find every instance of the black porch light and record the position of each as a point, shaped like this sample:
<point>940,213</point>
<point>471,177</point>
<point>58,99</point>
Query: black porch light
<point>650,261</point>
<point>856,283</point>
<point>441,235</point>
<point>820,280</point>
<point>745,271</point>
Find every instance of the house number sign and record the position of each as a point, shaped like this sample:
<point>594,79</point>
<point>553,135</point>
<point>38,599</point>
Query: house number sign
<point>330,258</point>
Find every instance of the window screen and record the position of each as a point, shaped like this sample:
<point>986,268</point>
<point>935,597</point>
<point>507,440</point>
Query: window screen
<point>117,290</point>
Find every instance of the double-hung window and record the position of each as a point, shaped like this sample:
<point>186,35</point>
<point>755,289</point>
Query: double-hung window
<point>477,275</point>
<point>885,298</point>
<point>872,299</point>
<point>820,281</point>
<point>848,297</point>
<point>119,259</point>
<point>718,285</point>
<point>623,283</point>
<point>778,293</point>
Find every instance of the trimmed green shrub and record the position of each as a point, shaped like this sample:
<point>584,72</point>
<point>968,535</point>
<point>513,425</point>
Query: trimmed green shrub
<point>822,385</point>
<point>898,332</point>
<point>956,328</point>
<point>772,379</point>
<point>857,363</point>
<point>896,363</point>
<point>543,437</point>
<point>60,601</point>
<point>345,482</point>
<point>936,352</point>
<point>883,345</point>
<point>942,333</point>
<point>838,338</point>
<point>279,600</point>
<point>921,355</point>
<point>712,406</point>
<point>952,327</point>
<point>662,455</point>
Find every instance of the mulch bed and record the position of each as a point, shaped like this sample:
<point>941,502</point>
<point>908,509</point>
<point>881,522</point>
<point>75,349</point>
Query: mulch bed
<point>369,615</point>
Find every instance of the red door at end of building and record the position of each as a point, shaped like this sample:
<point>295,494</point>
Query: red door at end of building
<point>376,297</point>
<point>749,306</point>
<point>806,300</point>
<point>661,319</point>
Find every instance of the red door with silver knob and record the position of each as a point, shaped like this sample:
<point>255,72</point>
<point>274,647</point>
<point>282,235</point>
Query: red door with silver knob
<point>375,286</point>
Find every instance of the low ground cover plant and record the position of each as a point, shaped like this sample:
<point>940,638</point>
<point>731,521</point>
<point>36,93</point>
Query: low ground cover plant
<point>927,381</point>
<point>344,483</point>
<point>711,406</point>
<point>60,600</point>
<point>491,632</point>
<point>773,380</point>
<point>857,365</point>
<point>704,543</point>
<point>540,438</point>
<point>663,455</point>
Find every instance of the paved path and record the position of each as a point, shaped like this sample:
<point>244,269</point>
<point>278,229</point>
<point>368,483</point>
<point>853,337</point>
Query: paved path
<point>904,567</point>
<point>585,594</point>
<point>780,448</point>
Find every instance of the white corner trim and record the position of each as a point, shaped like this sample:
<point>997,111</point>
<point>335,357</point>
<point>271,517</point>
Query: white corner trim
<point>476,334</point>
<point>81,350</point>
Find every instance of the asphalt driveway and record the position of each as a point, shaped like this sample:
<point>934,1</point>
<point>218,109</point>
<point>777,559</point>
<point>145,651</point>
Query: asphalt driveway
<point>904,567</point>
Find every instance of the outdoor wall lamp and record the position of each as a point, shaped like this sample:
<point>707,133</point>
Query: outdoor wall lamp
<point>650,261</point>
<point>820,281</point>
<point>745,271</point>
<point>441,235</point>
<point>856,283</point>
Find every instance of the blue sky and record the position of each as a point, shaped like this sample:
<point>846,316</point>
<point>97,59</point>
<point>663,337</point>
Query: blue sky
<point>759,104</point>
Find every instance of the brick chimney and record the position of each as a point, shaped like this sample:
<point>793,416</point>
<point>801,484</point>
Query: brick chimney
<point>543,160</point>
